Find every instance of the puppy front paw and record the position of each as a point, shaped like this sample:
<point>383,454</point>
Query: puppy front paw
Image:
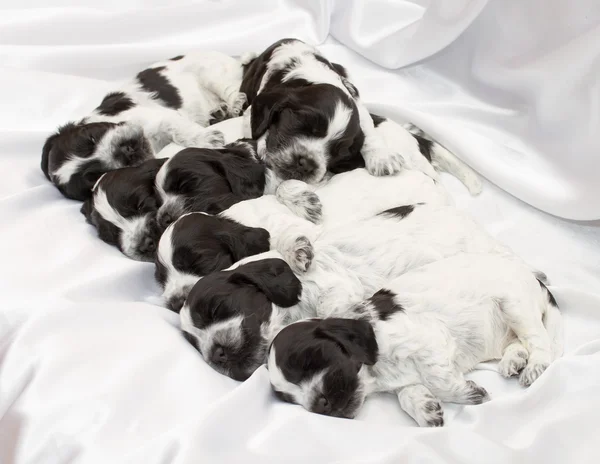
<point>512,363</point>
<point>301,255</point>
<point>219,114</point>
<point>211,138</point>
<point>476,394</point>
<point>303,202</point>
<point>531,373</point>
<point>431,414</point>
<point>382,161</point>
<point>237,104</point>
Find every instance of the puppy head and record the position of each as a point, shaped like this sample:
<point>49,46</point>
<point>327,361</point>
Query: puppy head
<point>307,131</point>
<point>123,209</point>
<point>198,244</point>
<point>77,155</point>
<point>316,363</point>
<point>229,313</point>
<point>195,180</point>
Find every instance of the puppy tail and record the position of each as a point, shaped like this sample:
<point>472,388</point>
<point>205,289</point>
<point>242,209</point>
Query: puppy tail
<point>553,322</point>
<point>444,160</point>
<point>300,199</point>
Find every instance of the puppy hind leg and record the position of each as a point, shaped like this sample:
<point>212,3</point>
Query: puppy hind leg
<point>525,319</point>
<point>419,403</point>
<point>514,359</point>
<point>451,386</point>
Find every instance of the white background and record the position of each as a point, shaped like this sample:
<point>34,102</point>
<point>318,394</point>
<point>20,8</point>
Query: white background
<point>91,372</point>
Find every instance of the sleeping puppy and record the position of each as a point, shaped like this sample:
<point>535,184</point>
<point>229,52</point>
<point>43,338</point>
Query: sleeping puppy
<point>308,117</point>
<point>417,337</point>
<point>349,263</point>
<point>123,209</point>
<point>172,101</point>
<point>209,180</point>
<point>198,244</point>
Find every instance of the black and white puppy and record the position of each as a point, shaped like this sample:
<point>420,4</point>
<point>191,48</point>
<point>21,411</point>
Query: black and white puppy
<point>172,101</point>
<point>210,180</point>
<point>349,263</point>
<point>232,312</point>
<point>198,244</point>
<point>418,336</point>
<point>123,209</point>
<point>308,117</point>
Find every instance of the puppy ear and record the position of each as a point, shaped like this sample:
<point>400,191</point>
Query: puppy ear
<point>87,208</point>
<point>273,277</point>
<point>48,145</point>
<point>246,241</point>
<point>265,111</point>
<point>354,337</point>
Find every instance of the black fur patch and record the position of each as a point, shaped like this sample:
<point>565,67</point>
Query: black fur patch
<point>425,146</point>
<point>384,304</point>
<point>551,298</point>
<point>177,58</point>
<point>115,103</point>
<point>155,83</point>
<point>399,211</point>
<point>377,119</point>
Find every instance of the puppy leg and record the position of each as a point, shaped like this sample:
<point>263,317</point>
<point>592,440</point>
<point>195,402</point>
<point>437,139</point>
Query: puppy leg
<point>380,160</point>
<point>514,359</point>
<point>420,404</point>
<point>450,385</point>
<point>297,252</point>
<point>189,134</point>
<point>300,199</point>
<point>524,318</point>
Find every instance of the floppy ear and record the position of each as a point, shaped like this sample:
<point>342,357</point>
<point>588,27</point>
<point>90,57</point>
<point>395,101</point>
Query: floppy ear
<point>87,208</point>
<point>46,154</point>
<point>273,277</point>
<point>355,337</point>
<point>248,241</point>
<point>265,111</point>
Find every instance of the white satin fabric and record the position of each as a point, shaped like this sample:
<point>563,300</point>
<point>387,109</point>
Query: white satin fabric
<point>91,371</point>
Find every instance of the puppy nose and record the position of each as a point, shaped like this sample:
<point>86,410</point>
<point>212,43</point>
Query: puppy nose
<point>176,303</point>
<point>166,219</point>
<point>218,355</point>
<point>128,149</point>
<point>304,164</point>
<point>148,245</point>
<point>322,406</point>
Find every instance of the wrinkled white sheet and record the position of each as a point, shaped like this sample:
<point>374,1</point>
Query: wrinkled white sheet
<point>90,371</point>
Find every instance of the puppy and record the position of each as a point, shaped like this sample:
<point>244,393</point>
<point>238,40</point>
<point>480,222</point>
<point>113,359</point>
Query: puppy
<point>171,101</point>
<point>418,336</point>
<point>209,180</point>
<point>198,244</point>
<point>350,262</point>
<point>308,117</point>
<point>123,209</point>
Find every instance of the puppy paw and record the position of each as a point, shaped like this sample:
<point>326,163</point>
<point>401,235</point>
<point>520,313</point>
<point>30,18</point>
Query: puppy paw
<point>237,104</point>
<point>510,366</point>
<point>531,373</point>
<point>475,394</point>
<point>211,139</point>
<point>431,414</point>
<point>300,200</point>
<point>383,162</point>
<point>301,255</point>
<point>219,114</point>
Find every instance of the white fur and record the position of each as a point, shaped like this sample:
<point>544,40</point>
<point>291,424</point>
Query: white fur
<point>379,158</point>
<point>455,313</point>
<point>204,80</point>
<point>132,229</point>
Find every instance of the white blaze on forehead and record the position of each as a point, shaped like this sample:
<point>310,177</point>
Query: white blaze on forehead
<point>339,122</point>
<point>161,175</point>
<point>303,394</point>
<point>307,66</point>
<point>98,182</point>
<point>178,283</point>
<point>132,229</point>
